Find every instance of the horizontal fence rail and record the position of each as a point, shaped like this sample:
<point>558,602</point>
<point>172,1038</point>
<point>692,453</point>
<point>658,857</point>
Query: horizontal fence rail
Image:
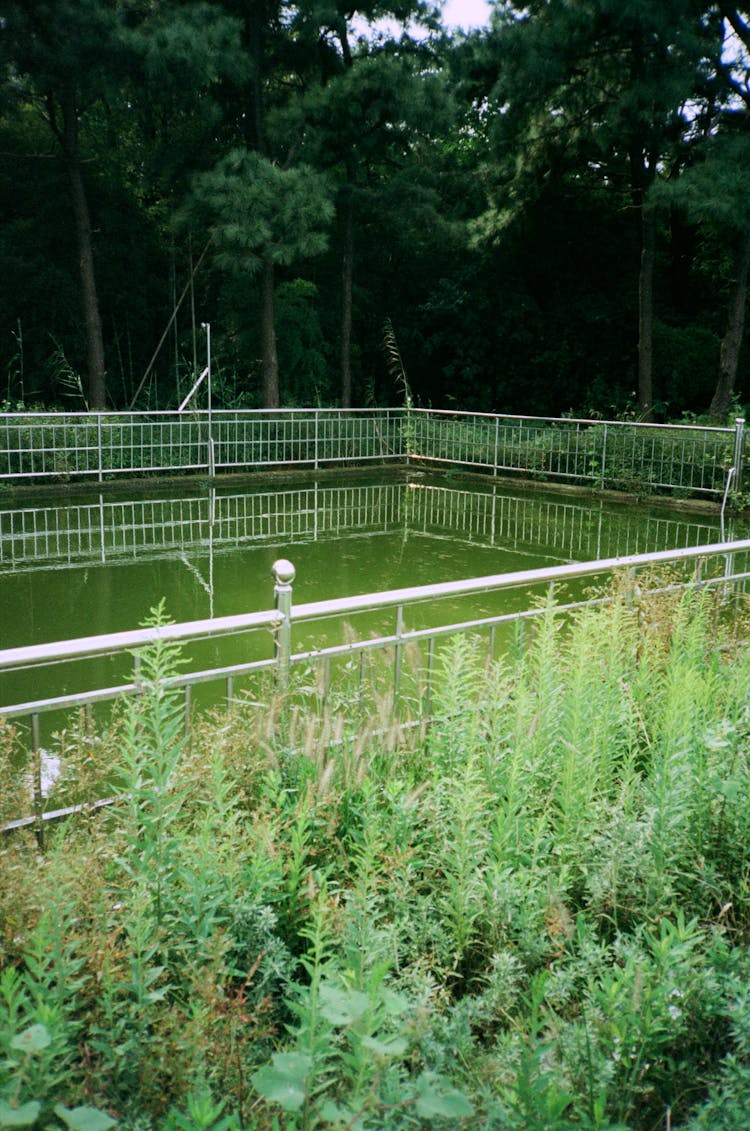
<point>682,460</point>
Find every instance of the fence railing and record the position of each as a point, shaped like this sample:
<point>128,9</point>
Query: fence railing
<point>726,563</point>
<point>98,445</point>
<point>678,459</point>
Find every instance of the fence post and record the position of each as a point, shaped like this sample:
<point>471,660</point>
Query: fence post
<point>36,762</point>
<point>100,472</point>
<point>497,437</point>
<point>283,574</point>
<point>739,451</point>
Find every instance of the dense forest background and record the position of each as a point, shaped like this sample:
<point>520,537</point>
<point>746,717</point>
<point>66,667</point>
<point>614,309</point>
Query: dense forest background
<point>544,216</point>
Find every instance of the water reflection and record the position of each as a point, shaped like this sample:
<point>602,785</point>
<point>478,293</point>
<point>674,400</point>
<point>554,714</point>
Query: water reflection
<point>99,563</point>
<point>117,530</point>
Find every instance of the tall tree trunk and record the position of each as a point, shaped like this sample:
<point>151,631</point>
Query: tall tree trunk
<point>97,374</point>
<point>646,315</point>
<point>731,343</point>
<point>347,274</point>
<point>347,257</point>
<point>270,358</point>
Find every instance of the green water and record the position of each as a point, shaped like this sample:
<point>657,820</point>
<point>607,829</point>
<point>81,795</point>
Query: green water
<point>98,563</point>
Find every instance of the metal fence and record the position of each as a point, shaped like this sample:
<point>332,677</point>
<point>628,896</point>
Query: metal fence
<point>682,459</point>
<point>642,458</point>
<point>61,446</point>
<point>725,563</point>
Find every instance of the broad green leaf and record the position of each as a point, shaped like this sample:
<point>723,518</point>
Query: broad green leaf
<point>437,1097</point>
<point>341,1116</point>
<point>84,1118</point>
<point>452,1105</point>
<point>394,1003</point>
<point>157,995</point>
<point>32,1040</point>
<point>283,1080</point>
<point>342,1007</point>
<point>393,1046</point>
<point>23,1116</point>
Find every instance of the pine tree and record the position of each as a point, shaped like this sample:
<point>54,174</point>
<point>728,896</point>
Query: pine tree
<point>598,89</point>
<point>260,217</point>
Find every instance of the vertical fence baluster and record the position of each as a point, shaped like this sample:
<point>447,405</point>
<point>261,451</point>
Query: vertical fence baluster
<point>326,682</point>
<point>283,573</point>
<point>397,660</point>
<point>36,769</point>
<point>429,672</point>
<point>739,452</point>
<point>99,459</point>
<point>187,707</point>
<point>361,687</point>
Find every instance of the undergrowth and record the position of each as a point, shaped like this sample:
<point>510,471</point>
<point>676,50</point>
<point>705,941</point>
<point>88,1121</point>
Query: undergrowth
<point>534,916</point>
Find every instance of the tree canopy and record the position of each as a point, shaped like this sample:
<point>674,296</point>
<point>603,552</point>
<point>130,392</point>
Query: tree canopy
<point>549,213</point>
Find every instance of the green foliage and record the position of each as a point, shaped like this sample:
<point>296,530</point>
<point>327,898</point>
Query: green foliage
<point>258,212</point>
<point>535,915</point>
<point>349,1044</point>
<point>480,187</point>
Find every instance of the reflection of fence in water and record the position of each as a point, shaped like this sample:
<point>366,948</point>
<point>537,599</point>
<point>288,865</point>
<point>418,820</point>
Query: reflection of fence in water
<point>576,531</point>
<point>113,530</point>
<point>109,530</point>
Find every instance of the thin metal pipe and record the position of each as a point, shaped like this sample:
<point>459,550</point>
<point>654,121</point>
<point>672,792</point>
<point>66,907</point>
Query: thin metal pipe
<point>85,646</point>
<point>730,476</point>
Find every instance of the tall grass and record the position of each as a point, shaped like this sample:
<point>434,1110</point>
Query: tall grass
<point>535,916</point>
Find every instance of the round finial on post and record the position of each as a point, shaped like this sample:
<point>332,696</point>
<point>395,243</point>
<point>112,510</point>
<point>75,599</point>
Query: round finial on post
<point>283,572</point>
